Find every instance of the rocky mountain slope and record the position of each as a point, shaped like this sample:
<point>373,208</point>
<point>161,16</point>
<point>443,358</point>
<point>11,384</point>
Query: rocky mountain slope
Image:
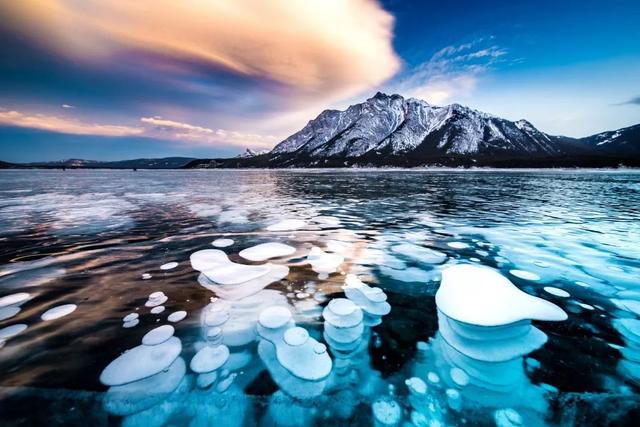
<point>389,130</point>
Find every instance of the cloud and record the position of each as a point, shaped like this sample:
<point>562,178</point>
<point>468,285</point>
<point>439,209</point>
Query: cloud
<point>451,72</point>
<point>185,132</point>
<point>325,50</point>
<point>633,101</point>
<point>64,125</point>
<point>67,106</point>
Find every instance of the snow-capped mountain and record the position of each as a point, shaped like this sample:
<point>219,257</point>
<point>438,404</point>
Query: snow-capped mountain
<point>248,152</point>
<point>389,130</point>
<point>390,125</point>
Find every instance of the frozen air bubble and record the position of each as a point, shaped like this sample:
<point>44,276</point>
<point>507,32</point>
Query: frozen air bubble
<point>158,335</point>
<point>157,310</point>
<point>526,275</point>
<point>169,266</point>
<point>177,316</point>
<point>288,224</point>
<point>12,330</point>
<point>458,245</point>
<point>557,292</point>
<point>131,323</point>
<point>459,376</point>
<point>209,358</point>
<point>58,312</point>
<point>265,251</point>
<point>129,317</point>
<point>14,299</point>
<point>222,243</point>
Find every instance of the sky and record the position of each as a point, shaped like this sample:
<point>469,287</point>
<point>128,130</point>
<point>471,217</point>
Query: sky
<point>116,79</point>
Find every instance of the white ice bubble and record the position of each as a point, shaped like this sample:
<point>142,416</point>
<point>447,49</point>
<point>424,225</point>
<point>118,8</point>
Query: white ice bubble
<point>209,358</point>
<point>459,376</point>
<point>387,412</point>
<point>158,335</point>
<point>275,317</point>
<point>557,292</point>
<point>156,295</point>
<point>15,299</point>
<point>265,251</point>
<point>177,316</point>
<point>296,336</point>
<point>323,262</point>
<point>416,385</point>
<point>9,312</point>
<point>371,300</point>
<point>526,275</point>
<point>586,306</point>
<point>129,317</point>
<point>12,330</point>
<point>288,224</point>
<point>222,243</point>
<point>433,377</point>
<point>157,300</point>
<point>157,310</point>
<point>146,276</point>
<point>232,273</point>
<point>58,312</point>
<point>141,362</point>
<point>481,296</point>
<point>130,323</point>
<point>458,245</point>
<point>342,313</point>
<point>169,266</point>
<point>507,418</point>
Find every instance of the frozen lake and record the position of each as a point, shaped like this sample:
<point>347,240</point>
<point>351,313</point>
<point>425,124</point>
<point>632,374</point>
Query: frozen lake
<point>92,261</point>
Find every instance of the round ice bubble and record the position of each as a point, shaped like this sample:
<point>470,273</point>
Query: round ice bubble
<point>141,362</point>
<point>169,266</point>
<point>222,243</point>
<point>265,251</point>
<point>274,317</point>
<point>177,316</point>
<point>58,312</point>
<point>158,335</point>
<point>481,296</point>
<point>557,292</point>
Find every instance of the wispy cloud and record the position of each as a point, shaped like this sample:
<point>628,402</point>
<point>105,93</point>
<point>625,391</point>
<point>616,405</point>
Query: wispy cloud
<point>185,132</point>
<point>68,106</point>
<point>450,72</point>
<point>64,124</point>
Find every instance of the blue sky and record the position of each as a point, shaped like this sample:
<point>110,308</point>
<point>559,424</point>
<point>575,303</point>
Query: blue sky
<point>95,80</point>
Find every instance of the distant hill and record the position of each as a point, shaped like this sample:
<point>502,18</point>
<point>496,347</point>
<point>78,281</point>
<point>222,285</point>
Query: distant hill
<point>389,130</point>
<point>163,163</point>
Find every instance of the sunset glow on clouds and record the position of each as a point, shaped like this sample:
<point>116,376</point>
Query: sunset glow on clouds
<point>212,77</point>
<point>326,48</point>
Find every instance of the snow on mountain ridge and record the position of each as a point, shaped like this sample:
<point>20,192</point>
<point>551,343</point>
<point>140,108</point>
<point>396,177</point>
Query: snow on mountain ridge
<point>395,125</point>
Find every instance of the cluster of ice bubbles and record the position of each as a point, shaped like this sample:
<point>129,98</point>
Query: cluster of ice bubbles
<point>11,305</point>
<point>476,359</point>
<point>152,381</point>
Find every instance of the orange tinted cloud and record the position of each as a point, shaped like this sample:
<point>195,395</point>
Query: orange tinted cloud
<point>64,125</point>
<point>322,49</point>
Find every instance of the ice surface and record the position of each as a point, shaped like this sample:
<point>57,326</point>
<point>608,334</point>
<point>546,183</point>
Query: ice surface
<point>177,316</point>
<point>419,253</point>
<point>557,292</point>
<point>265,251</point>
<point>58,312</point>
<point>169,266</point>
<point>158,335</point>
<point>323,262</point>
<point>482,296</point>
<point>286,225</point>
<point>141,362</point>
<point>222,243</point>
